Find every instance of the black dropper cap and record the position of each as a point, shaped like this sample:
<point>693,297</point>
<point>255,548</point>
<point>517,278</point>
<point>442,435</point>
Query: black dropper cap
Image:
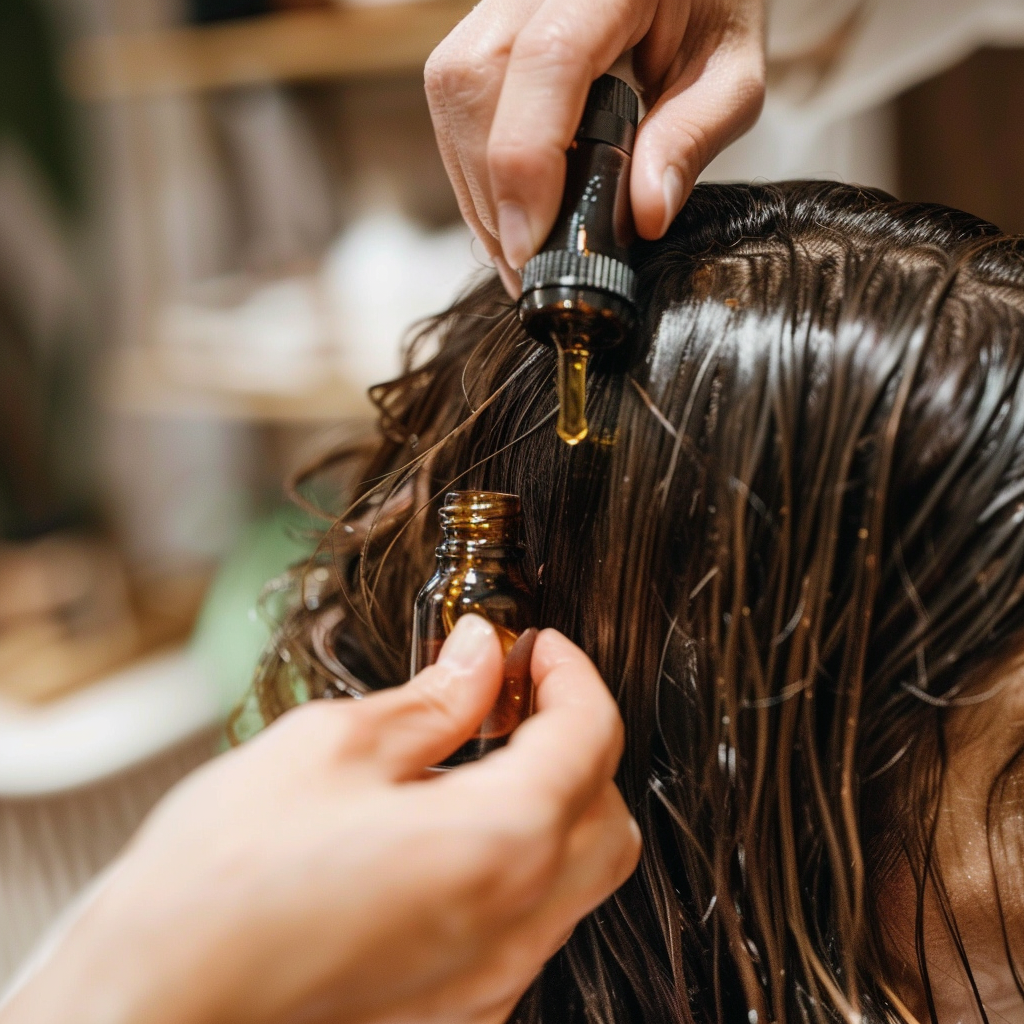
<point>581,279</point>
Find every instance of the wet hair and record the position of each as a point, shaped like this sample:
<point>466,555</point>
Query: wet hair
<point>792,540</point>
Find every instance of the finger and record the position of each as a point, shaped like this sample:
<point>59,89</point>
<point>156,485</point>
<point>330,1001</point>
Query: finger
<point>559,52</point>
<point>561,757</point>
<point>711,102</point>
<point>655,54</point>
<point>463,79</point>
<point>600,853</point>
<point>411,727</point>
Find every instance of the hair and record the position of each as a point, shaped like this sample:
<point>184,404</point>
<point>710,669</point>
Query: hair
<point>792,540</point>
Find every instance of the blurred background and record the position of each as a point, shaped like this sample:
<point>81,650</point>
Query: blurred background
<point>217,219</point>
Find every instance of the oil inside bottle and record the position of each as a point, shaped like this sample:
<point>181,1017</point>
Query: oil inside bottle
<point>572,388</point>
<point>479,570</point>
<point>515,698</point>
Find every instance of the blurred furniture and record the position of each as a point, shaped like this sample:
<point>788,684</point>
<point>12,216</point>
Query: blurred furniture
<point>77,776</point>
<point>231,154</point>
<point>834,69</point>
<point>284,47</point>
<point>960,141</point>
<point>70,612</point>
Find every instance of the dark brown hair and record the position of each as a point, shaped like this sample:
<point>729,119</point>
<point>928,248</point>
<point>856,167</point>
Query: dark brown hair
<point>793,536</point>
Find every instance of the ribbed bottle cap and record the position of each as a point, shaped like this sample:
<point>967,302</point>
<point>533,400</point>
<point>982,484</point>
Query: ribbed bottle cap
<point>566,268</point>
<point>611,114</point>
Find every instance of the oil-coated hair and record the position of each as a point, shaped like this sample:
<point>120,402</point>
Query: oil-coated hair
<point>793,536</point>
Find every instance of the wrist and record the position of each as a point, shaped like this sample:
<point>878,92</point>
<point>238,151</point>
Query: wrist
<point>110,968</point>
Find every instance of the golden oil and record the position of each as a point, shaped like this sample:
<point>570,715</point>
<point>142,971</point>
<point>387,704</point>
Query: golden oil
<point>572,393</point>
<point>479,570</point>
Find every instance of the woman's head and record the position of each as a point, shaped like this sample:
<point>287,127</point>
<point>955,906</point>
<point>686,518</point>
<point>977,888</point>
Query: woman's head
<point>793,544</point>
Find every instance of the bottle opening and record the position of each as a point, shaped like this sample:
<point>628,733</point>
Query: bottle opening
<point>469,508</point>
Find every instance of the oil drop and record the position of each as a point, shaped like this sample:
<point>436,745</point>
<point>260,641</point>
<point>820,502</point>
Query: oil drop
<point>572,392</point>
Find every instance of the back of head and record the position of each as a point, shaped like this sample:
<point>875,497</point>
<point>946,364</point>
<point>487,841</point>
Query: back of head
<point>793,537</point>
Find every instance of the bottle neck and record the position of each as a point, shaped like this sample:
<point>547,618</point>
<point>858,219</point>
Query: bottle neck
<point>476,551</point>
<point>481,525</point>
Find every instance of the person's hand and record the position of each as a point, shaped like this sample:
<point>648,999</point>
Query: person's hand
<point>320,873</point>
<point>507,88</point>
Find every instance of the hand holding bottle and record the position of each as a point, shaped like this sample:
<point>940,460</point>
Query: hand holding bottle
<point>319,873</point>
<point>508,85</point>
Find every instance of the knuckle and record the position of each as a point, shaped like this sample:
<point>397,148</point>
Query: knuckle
<point>609,729</point>
<point>512,160</point>
<point>522,859</point>
<point>539,822</point>
<point>753,89</point>
<point>354,737</point>
<point>489,859</point>
<point>526,830</point>
<point>702,145</point>
<point>433,77</point>
<point>749,84</point>
<point>695,150</point>
<point>552,43</point>
<point>748,74</point>
<point>634,846</point>
<point>507,861</point>
<point>616,733</point>
<point>427,699</point>
<point>300,722</point>
<point>627,858</point>
<point>481,870</point>
<point>505,161</point>
<point>454,79</point>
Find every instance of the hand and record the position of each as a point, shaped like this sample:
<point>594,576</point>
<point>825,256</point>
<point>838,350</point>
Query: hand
<point>508,85</point>
<point>319,873</point>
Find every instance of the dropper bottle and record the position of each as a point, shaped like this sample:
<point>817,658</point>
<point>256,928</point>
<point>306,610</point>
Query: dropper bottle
<point>480,570</point>
<point>579,290</point>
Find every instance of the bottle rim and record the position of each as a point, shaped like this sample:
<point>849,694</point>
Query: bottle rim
<point>479,508</point>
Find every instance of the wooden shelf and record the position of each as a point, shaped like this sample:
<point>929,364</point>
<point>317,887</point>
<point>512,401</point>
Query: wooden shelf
<point>294,46</point>
<point>137,385</point>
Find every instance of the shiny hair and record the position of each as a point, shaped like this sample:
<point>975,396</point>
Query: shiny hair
<point>794,535</point>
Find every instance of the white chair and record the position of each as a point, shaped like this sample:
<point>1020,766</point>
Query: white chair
<point>78,775</point>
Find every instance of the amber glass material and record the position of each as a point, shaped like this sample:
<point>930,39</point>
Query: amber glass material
<point>572,394</point>
<point>479,570</point>
<point>595,215</point>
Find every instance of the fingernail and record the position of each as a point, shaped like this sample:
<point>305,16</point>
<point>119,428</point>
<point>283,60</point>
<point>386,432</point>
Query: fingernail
<point>672,190</point>
<point>515,235</point>
<point>466,643</point>
<point>509,278</point>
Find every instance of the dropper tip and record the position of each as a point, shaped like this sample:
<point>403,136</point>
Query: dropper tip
<point>572,393</point>
<point>571,438</point>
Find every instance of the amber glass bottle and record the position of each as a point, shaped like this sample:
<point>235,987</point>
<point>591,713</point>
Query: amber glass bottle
<point>479,570</point>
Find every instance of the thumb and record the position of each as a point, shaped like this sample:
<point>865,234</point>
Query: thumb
<point>422,722</point>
